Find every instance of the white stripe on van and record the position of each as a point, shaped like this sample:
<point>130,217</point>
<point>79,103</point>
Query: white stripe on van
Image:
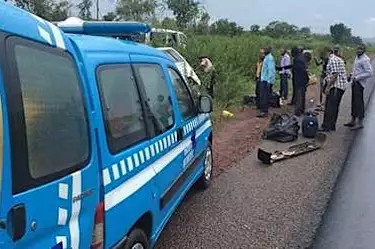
<point>63,191</point>
<point>63,216</point>
<point>123,167</point>
<point>58,36</point>
<point>106,177</point>
<point>63,240</point>
<point>129,187</point>
<point>115,171</point>
<point>76,209</point>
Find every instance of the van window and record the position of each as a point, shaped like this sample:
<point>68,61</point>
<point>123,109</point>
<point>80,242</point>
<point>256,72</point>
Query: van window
<point>158,98</point>
<point>49,127</point>
<point>121,107</point>
<point>185,102</point>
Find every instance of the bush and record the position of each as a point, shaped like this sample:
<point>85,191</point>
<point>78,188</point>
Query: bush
<point>235,57</point>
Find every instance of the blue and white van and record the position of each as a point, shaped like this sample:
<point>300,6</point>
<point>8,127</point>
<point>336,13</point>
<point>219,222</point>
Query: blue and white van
<point>100,139</point>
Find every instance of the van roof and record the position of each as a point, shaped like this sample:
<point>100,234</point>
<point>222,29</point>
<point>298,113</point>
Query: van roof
<point>98,43</point>
<point>20,22</point>
<point>23,23</point>
<point>78,26</point>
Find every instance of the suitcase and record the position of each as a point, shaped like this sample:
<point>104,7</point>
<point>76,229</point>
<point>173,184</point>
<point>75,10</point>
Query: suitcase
<point>310,125</point>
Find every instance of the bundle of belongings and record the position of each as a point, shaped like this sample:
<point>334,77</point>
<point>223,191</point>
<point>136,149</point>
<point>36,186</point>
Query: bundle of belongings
<point>282,128</point>
<point>273,100</point>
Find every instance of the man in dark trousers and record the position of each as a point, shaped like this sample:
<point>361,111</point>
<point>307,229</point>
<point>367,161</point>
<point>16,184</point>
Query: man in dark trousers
<point>301,79</point>
<point>258,70</point>
<point>267,77</point>
<point>336,84</point>
<point>362,70</point>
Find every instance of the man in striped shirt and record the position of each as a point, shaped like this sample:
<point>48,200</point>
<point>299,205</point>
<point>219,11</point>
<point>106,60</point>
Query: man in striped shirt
<point>336,85</point>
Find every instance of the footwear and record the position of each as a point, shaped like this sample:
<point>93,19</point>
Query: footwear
<point>357,126</point>
<point>262,115</point>
<point>323,129</point>
<point>351,123</point>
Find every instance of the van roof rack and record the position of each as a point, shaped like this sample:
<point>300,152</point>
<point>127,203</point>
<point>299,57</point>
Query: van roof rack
<point>110,28</point>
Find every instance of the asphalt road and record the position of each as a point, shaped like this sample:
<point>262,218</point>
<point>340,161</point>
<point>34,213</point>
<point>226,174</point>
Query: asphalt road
<point>349,222</point>
<point>254,206</point>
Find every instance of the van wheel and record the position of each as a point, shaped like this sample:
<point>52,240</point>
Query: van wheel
<point>205,180</point>
<point>137,239</point>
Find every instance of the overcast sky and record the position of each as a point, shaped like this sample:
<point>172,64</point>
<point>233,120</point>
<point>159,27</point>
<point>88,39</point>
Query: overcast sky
<point>317,14</point>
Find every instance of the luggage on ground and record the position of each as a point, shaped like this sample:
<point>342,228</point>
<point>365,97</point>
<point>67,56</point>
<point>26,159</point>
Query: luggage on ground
<point>282,128</point>
<point>309,125</point>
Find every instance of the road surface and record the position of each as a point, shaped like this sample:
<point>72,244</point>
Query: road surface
<point>254,206</point>
<point>349,222</point>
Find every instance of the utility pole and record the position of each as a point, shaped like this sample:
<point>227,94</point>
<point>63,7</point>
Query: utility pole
<point>97,10</point>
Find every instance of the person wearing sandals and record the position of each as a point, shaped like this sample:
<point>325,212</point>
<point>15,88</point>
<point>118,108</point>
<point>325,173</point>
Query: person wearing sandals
<point>362,70</point>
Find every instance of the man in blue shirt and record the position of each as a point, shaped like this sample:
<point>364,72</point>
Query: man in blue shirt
<point>267,76</point>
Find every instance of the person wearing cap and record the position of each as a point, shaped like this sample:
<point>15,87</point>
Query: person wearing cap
<point>267,77</point>
<point>362,70</point>
<point>336,84</point>
<point>209,69</point>
<point>284,74</point>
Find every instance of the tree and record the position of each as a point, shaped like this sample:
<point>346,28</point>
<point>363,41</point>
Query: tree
<point>184,11</point>
<point>85,9</point>
<point>136,10</point>
<point>278,29</point>
<point>356,40</point>
<point>255,28</point>
<point>225,27</point>
<point>60,10</point>
<point>110,16</point>
<point>305,30</point>
<point>340,33</point>
<point>169,23</point>
<point>42,8</point>
<point>203,26</point>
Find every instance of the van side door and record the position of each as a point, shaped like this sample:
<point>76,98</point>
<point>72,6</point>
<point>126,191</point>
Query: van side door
<point>50,176</point>
<point>193,125</point>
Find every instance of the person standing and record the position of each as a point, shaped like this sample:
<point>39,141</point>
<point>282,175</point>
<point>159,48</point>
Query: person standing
<point>268,74</point>
<point>258,71</point>
<point>209,69</point>
<point>323,62</point>
<point>362,70</point>
<point>336,84</point>
<point>301,79</point>
<point>284,74</point>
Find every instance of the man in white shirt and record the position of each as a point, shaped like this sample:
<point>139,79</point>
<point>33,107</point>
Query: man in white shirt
<point>284,74</point>
<point>362,70</point>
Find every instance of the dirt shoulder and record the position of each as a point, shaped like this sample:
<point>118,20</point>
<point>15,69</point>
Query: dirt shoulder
<point>254,206</point>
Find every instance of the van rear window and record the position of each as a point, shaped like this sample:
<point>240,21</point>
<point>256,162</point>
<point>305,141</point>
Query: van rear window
<point>50,129</point>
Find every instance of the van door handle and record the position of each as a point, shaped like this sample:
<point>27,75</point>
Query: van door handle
<point>180,134</point>
<point>16,222</point>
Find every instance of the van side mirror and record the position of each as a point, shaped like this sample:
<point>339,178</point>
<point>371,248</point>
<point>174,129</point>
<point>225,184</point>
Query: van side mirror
<point>205,104</point>
<point>16,220</point>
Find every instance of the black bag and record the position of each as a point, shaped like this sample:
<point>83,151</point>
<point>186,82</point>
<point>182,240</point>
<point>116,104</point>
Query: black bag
<point>310,125</point>
<point>249,100</point>
<point>274,100</point>
<point>282,128</point>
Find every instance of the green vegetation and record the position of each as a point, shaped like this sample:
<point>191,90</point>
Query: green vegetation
<point>232,48</point>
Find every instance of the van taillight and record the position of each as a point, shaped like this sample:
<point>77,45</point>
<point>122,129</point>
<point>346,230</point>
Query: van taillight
<point>98,233</point>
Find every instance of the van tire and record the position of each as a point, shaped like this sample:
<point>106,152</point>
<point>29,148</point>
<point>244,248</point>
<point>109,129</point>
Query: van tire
<point>205,180</point>
<point>136,236</point>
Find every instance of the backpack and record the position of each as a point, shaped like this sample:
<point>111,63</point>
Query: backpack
<point>282,128</point>
<point>310,125</point>
<point>274,100</point>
